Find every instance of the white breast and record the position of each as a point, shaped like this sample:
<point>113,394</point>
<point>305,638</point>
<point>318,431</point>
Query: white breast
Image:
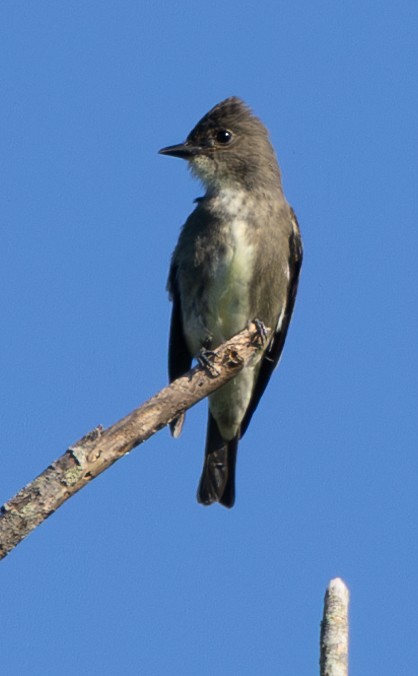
<point>233,272</point>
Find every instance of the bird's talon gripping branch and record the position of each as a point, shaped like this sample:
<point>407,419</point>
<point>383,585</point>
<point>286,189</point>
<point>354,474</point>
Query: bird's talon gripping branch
<point>261,335</point>
<point>206,359</point>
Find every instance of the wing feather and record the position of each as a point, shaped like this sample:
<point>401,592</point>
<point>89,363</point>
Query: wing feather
<point>272,355</point>
<point>179,357</point>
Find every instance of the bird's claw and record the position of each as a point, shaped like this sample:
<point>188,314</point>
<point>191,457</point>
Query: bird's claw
<point>205,359</point>
<point>261,334</point>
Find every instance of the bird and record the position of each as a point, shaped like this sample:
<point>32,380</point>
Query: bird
<point>237,259</point>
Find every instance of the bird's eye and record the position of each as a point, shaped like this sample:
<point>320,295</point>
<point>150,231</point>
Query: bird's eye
<point>224,136</point>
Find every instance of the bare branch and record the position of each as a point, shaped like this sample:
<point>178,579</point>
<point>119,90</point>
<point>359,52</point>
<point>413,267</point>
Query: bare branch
<point>99,449</point>
<point>334,630</point>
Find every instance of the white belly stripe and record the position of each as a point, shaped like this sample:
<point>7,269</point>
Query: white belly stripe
<point>229,294</point>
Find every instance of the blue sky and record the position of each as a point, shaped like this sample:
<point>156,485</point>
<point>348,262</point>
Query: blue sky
<point>132,576</point>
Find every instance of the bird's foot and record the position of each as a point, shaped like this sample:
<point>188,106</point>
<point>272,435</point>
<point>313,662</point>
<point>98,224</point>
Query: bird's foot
<point>206,359</point>
<point>261,335</point>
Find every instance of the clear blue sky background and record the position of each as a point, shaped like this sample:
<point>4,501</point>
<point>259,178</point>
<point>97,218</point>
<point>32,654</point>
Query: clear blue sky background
<point>131,576</point>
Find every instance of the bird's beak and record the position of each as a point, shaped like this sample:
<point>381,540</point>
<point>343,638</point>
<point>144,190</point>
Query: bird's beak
<point>184,150</point>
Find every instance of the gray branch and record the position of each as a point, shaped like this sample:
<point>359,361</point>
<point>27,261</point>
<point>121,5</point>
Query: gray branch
<point>334,630</point>
<point>98,450</point>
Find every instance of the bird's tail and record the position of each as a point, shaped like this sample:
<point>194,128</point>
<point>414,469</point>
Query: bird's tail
<point>217,483</point>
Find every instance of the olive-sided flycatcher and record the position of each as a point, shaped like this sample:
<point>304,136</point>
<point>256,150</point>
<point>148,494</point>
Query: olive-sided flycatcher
<point>237,259</point>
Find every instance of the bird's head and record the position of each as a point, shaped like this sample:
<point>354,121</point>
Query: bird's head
<point>229,146</point>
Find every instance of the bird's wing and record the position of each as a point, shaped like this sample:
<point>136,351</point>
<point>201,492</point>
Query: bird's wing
<point>179,357</point>
<point>273,352</point>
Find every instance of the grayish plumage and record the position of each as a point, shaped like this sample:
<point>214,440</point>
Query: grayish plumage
<point>237,259</point>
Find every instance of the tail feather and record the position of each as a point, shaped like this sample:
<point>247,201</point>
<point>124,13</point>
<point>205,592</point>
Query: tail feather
<point>217,483</point>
